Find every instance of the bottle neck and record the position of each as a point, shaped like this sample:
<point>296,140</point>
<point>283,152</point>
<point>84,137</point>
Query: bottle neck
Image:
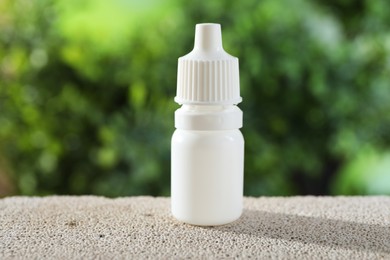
<point>205,108</point>
<point>208,117</point>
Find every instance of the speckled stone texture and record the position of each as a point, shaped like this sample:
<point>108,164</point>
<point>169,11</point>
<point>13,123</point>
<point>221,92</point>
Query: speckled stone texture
<point>141,227</point>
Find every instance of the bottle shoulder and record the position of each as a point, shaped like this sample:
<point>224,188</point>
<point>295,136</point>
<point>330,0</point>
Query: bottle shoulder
<point>208,117</point>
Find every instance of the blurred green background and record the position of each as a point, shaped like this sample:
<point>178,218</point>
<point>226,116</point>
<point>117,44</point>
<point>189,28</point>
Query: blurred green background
<point>87,87</point>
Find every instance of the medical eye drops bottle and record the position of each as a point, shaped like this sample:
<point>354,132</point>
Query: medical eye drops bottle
<point>207,155</point>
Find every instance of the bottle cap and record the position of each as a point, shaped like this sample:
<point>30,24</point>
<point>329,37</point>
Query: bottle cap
<point>208,75</point>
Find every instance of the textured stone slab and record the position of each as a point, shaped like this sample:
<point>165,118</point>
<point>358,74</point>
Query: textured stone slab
<point>91,227</point>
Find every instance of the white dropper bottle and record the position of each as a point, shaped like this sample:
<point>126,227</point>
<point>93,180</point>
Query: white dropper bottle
<point>207,156</point>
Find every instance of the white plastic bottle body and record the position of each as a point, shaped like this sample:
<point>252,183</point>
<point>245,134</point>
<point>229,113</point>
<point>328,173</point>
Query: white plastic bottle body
<point>207,176</point>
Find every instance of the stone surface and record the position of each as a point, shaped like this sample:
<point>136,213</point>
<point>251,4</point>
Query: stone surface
<point>91,227</point>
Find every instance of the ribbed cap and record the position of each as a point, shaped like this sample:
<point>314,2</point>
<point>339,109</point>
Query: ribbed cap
<point>208,75</point>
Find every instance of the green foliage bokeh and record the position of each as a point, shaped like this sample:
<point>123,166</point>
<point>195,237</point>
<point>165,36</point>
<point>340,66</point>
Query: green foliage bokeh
<point>87,87</point>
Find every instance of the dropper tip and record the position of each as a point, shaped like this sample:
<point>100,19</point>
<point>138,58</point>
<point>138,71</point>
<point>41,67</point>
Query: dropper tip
<point>208,37</point>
